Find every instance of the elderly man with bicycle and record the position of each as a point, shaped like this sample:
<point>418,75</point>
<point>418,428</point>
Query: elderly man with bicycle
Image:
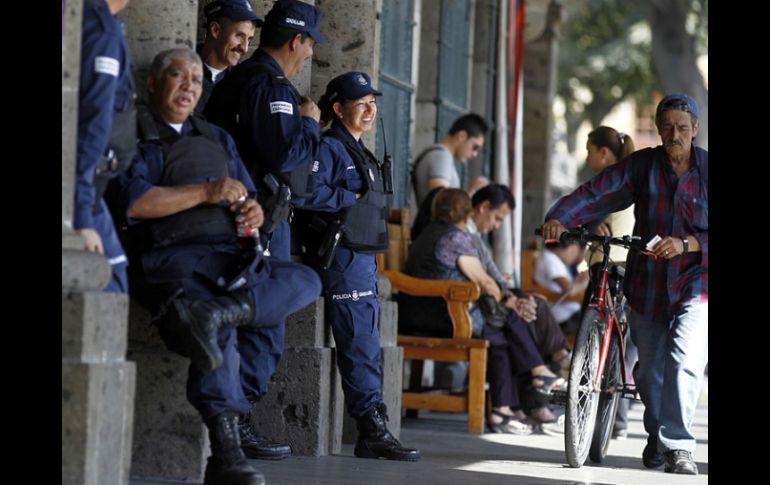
<point>668,293</point>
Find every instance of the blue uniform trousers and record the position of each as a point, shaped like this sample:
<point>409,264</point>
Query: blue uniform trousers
<point>251,353</point>
<point>350,291</point>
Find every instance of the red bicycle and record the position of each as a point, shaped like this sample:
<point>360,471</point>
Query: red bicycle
<point>597,377</point>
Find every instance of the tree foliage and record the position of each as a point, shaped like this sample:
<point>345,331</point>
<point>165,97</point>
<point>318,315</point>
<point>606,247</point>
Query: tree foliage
<point>606,53</point>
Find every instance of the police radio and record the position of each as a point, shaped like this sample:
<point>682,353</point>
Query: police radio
<point>387,164</point>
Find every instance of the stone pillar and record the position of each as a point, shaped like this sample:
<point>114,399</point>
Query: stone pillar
<point>540,69</point>
<point>156,25</point>
<point>427,86</point>
<point>304,403</point>
<point>352,31</point>
<point>72,21</point>
<point>97,382</point>
<point>170,440</point>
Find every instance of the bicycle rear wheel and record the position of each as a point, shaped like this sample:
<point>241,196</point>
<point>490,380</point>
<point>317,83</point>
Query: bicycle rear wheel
<point>608,402</point>
<point>582,398</point>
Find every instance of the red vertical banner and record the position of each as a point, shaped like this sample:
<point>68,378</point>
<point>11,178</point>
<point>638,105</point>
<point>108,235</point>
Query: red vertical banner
<point>514,62</point>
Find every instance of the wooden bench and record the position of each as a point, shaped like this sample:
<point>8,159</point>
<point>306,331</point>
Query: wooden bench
<point>460,348</point>
<point>528,284</point>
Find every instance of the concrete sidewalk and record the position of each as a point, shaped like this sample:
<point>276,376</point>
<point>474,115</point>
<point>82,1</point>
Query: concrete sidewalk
<point>452,456</point>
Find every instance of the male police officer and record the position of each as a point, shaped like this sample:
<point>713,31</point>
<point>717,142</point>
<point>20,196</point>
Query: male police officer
<point>187,187</point>
<point>276,129</point>
<point>106,130</point>
<point>230,26</point>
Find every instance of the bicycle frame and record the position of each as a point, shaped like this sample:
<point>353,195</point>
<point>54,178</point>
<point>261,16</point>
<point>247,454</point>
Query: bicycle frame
<point>605,305</point>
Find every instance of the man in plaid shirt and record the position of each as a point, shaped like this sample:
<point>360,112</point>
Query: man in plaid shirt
<point>668,294</point>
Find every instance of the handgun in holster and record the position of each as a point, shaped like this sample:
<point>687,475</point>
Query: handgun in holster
<point>121,148</point>
<point>329,243</point>
<point>277,206</point>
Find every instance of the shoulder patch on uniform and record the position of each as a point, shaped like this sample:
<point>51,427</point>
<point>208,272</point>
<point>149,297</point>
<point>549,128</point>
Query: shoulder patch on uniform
<point>316,166</point>
<point>281,107</point>
<point>107,65</point>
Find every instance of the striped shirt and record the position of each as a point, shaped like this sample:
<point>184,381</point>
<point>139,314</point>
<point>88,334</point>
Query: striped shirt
<point>664,205</point>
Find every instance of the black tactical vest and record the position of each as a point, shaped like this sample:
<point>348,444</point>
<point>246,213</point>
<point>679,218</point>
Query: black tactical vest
<point>422,262</point>
<point>420,315</point>
<point>188,160</point>
<point>366,222</point>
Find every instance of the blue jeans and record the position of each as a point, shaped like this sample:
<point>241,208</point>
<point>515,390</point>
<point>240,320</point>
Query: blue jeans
<point>672,357</point>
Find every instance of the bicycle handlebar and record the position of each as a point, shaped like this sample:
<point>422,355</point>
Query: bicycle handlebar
<point>581,235</point>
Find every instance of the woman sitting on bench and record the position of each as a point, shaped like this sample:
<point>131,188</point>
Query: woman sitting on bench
<point>445,251</point>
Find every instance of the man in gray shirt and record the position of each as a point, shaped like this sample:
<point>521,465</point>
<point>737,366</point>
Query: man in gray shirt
<point>435,167</point>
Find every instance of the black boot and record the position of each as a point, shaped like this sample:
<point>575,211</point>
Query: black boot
<point>375,441</point>
<point>197,323</point>
<point>227,465</point>
<point>259,447</point>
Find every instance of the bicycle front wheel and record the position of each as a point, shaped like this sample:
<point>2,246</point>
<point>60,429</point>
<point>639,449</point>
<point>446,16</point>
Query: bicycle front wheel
<point>608,402</point>
<point>582,397</point>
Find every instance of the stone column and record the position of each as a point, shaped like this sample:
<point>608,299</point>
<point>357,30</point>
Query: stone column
<point>303,405</point>
<point>97,382</point>
<point>72,21</point>
<point>427,85</point>
<point>540,69</point>
<point>156,25</point>
<point>171,439</point>
<point>352,31</point>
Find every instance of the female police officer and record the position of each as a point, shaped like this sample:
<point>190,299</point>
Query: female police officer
<point>340,229</point>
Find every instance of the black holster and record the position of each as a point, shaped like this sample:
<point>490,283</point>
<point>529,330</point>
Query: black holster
<point>329,243</point>
<point>121,149</point>
<point>277,206</point>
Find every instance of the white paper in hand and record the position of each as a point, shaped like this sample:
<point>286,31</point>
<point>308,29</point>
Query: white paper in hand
<point>653,242</point>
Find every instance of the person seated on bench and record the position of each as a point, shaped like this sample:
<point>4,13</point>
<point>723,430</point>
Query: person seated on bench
<point>445,251</point>
<point>491,205</point>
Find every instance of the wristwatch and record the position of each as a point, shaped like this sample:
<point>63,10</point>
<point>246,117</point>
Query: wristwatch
<point>685,245</point>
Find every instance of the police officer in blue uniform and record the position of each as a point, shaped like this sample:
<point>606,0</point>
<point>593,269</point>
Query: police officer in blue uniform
<point>230,25</point>
<point>275,128</point>
<point>224,301</point>
<point>348,207</point>
<point>106,130</point>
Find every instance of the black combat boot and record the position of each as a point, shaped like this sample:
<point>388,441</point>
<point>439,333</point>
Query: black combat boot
<point>197,323</point>
<point>375,441</point>
<point>227,465</point>
<point>257,446</point>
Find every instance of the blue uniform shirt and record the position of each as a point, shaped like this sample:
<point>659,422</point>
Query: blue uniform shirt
<point>106,86</point>
<point>270,114</point>
<point>335,178</point>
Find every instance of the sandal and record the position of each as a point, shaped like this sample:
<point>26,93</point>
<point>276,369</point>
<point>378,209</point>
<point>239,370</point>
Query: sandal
<point>563,362</point>
<point>561,365</point>
<point>549,384</point>
<point>541,415</point>
<point>509,425</point>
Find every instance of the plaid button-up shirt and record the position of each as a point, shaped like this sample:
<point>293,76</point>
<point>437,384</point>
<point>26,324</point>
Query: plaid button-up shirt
<point>664,205</point>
